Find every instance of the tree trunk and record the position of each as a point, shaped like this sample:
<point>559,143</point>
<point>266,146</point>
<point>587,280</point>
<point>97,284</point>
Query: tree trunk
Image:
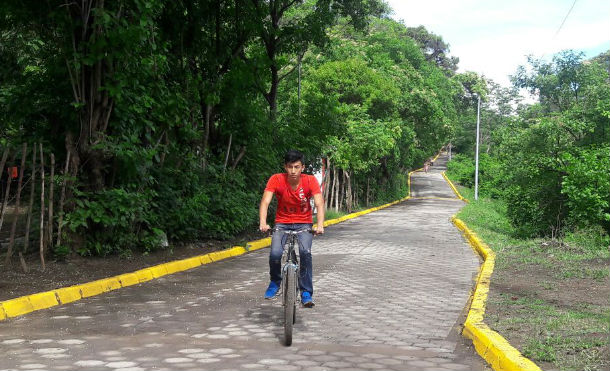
<point>355,194</point>
<point>62,198</point>
<point>336,188</point>
<point>42,208</point>
<point>51,188</point>
<point>368,189</point>
<point>341,190</point>
<point>325,179</point>
<point>331,186</point>
<point>206,138</point>
<point>3,161</point>
<point>11,241</point>
<point>228,151</point>
<point>272,95</point>
<point>22,260</point>
<point>88,81</point>
<point>26,240</point>
<point>241,154</point>
<point>348,191</point>
<point>7,192</point>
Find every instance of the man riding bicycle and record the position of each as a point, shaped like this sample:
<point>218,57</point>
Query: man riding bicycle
<point>293,191</point>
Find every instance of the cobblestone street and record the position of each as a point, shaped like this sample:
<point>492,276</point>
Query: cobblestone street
<point>391,288</point>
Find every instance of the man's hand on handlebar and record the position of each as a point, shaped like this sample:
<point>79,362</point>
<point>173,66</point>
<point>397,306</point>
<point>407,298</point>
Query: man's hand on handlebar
<point>318,230</point>
<point>264,228</point>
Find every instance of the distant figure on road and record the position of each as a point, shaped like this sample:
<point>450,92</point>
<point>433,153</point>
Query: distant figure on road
<point>426,166</point>
<point>293,191</point>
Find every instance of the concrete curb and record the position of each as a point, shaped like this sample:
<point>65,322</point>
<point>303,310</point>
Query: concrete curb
<point>490,345</point>
<point>453,188</point>
<point>30,303</point>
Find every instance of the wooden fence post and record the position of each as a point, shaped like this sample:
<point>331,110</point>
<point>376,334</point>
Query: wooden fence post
<point>26,240</point>
<point>42,208</point>
<point>11,240</point>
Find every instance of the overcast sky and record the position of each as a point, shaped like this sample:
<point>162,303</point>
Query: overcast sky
<point>493,37</point>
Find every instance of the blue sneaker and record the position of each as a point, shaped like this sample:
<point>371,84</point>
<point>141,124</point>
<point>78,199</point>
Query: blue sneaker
<point>272,290</point>
<point>306,299</point>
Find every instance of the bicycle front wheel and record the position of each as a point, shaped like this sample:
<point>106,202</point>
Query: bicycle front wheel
<point>290,294</point>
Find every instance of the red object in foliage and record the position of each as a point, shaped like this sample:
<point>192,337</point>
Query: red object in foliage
<point>12,171</point>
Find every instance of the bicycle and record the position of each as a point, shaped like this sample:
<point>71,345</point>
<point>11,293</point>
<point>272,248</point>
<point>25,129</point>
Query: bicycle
<point>290,287</point>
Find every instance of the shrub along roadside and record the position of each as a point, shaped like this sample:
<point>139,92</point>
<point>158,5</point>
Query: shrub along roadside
<point>550,299</point>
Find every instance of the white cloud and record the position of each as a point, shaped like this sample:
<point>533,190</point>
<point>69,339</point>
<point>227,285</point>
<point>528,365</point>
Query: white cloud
<point>493,37</point>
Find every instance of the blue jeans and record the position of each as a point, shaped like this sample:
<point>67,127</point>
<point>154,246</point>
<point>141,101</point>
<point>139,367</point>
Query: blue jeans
<point>305,265</point>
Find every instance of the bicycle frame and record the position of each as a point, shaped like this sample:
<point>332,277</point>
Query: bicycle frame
<point>289,255</point>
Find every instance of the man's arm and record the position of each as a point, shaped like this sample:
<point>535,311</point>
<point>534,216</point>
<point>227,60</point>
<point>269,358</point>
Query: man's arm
<point>318,200</point>
<point>262,211</point>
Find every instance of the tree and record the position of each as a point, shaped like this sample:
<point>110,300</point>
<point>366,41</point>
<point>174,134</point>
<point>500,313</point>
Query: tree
<point>547,159</point>
<point>288,27</point>
<point>434,48</point>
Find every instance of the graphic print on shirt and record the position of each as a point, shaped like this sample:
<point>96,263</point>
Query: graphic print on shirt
<point>303,205</point>
<point>304,200</point>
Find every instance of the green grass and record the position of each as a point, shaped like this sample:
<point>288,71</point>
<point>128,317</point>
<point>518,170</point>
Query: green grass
<point>488,219</point>
<point>540,318</point>
<point>553,348</point>
<point>561,336</point>
<point>332,214</point>
<point>585,272</point>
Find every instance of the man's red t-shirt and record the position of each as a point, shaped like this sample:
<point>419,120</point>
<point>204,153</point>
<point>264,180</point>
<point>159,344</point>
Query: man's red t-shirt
<point>293,204</point>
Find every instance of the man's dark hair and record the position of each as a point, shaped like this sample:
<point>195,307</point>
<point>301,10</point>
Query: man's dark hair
<point>293,156</point>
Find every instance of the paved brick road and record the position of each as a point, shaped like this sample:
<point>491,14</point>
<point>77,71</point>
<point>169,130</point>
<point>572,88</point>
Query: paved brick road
<point>391,287</point>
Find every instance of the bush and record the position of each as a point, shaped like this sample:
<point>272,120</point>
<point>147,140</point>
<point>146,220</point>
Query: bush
<point>114,220</point>
<point>219,206</point>
<point>587,186</point>
<point>593,238</point>
<point>462,169</point>
<point>393,189</point>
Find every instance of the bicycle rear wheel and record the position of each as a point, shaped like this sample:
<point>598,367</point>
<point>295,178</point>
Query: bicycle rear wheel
<point>289,303</point>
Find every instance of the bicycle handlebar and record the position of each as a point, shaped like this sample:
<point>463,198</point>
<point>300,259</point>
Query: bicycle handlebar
<point>288,231</point>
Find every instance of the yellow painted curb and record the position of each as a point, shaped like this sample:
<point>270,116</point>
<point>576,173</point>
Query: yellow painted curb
<point>17,307</point>
<point>91,289</point>
<point>258,244</point>
<point>127,279</point>
<point>205,259</point>
<point>490,345</point>
<point>29,303</point>
<point>144,275</point>
<point>175,266</point>
<point>43,300</point>
<point>453,187</point>
<point>68,294</point>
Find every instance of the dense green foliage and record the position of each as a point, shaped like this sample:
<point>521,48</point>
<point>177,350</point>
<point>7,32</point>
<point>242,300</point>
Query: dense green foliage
<point>375,107</point>
<point>549,161</point>
<point>172,115</point>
